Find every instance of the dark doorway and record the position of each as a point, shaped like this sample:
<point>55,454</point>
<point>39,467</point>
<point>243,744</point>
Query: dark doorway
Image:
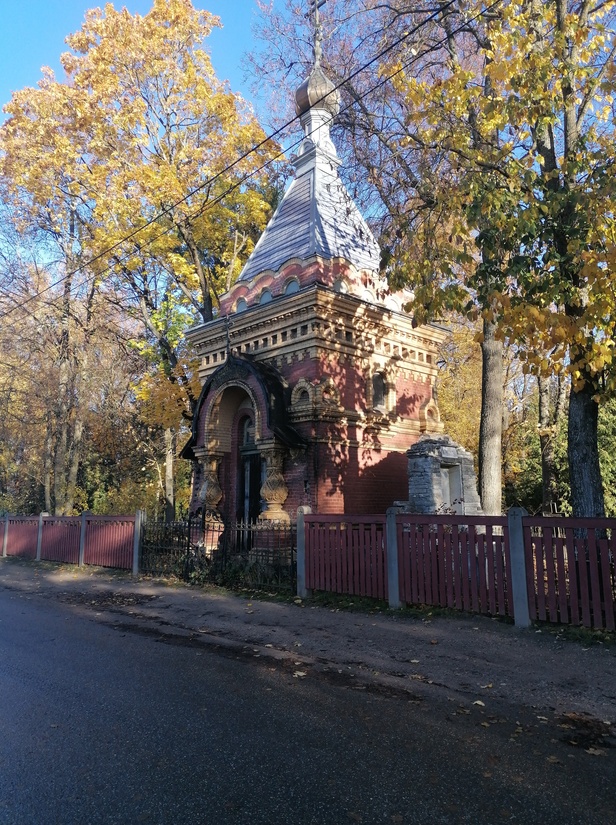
<point>249,474</point>
<point>249,499</point>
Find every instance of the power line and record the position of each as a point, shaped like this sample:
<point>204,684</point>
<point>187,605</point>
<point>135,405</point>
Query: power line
<point>207,183</point>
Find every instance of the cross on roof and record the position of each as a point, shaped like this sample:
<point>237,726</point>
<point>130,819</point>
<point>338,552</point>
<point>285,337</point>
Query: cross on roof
<point>313,8</point>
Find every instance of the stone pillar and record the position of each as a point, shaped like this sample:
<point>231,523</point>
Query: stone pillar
<point>210,492</point>
<point>274,491</point>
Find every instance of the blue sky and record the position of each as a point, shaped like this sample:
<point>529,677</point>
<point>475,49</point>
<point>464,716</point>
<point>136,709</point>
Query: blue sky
<point>32,35</point>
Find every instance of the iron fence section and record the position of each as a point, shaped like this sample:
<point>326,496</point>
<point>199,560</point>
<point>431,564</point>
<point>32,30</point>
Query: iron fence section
<point>235,554</point>
<point>166,547</point>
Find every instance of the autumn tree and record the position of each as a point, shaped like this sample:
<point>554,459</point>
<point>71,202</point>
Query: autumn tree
<point>530,132</point>
<point>168,135</point>
<point>146,181</point>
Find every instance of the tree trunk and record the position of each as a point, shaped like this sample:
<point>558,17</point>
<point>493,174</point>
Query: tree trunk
<point>74,462</point>
<point>583,453</point>
<point>490,428</point>
<point>61,442</point>
<point>169,487</point>
<point>548,430</point>
<point>48,464</point>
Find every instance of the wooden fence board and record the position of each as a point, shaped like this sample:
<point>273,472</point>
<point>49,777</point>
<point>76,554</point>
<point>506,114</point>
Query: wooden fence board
<point>593,570</point>
<point>456,582</point>
<point>574,595</point>
<point>561,578</point>
<point>606,550</point>
<point>499,573</point>
<point>582,569</point>
<point>548,549</point>
<point>492,590</point>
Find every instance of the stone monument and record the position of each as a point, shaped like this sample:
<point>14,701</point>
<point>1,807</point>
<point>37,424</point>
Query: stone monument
<point>442,478</point>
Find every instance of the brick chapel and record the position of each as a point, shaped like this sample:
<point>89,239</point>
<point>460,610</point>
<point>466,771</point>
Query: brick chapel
<point>315,380</point>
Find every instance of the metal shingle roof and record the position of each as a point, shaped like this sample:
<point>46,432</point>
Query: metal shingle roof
<point>316,216</point>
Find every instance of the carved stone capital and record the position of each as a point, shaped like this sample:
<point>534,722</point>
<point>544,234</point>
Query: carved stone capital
<point>210,492</point>
<point>274,491</point>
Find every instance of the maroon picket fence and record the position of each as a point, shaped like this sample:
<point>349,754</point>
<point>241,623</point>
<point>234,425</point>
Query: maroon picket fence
<point>23,532</point>
<point>59,539</point>
<point>346,554</point>
<point>446,564</point>
<point>570,570</point>
<point>109,541</point>
<point>566,566</point>
<point>105,541</point>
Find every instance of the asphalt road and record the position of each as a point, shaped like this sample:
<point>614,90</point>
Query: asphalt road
<point>101,722</point>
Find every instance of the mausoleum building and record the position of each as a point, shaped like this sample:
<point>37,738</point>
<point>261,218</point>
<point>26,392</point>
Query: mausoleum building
<point>315,380</point>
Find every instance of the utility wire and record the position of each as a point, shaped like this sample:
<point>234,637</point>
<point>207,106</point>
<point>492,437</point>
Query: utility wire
<point>210,203</point>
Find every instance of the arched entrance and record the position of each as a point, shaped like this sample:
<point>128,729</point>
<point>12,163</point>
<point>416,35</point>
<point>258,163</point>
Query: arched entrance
<point>241,436</point>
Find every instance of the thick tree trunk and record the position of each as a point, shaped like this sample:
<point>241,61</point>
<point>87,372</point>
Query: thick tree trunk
<point>169,485</point>
<point>491,425</point>
<point>583,453</point>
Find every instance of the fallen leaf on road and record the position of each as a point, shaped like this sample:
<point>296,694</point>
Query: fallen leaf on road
<point>299,673</point>
<point>480,703</point>
<point>489,685</point>
<point>433,641</point>
<point>593,751</point>
<point>554,760</point>
<point>414,661</point>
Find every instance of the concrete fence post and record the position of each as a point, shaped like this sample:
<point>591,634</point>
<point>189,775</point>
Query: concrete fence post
<point>138,536</point>
<point>393,578</point>
<point>82,537</point>
<point>302,590</point>
<point>519,589</point>
<point>5,540</point>
<point>39,538</point>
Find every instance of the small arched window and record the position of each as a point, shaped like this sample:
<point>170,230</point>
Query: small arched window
<point>247,432</point>
<point>379,389</point>
<point>266,297</point>
<point>291,287</point>
<point>241,305</point>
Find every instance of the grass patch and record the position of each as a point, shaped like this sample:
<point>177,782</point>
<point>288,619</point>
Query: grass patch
<point>584,636</point>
